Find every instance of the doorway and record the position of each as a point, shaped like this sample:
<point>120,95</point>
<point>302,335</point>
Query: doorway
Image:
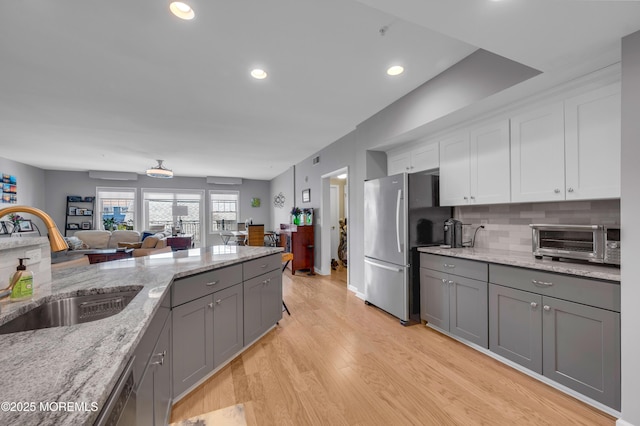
<point>334,232</point>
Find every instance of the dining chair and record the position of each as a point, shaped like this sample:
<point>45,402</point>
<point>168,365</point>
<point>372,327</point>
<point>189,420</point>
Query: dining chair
<point>255,235</point>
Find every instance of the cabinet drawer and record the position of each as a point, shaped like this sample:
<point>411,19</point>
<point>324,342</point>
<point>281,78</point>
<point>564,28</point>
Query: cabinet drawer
<point>195,286</point>
<point>601,294</point>
<point>255,267</point>
<point>455,266</point>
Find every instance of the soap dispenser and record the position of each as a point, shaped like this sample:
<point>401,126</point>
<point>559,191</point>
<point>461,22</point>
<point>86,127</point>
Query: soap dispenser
<point>21,282</point>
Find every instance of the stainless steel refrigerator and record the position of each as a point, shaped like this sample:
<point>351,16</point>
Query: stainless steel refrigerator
<point>401,213</point>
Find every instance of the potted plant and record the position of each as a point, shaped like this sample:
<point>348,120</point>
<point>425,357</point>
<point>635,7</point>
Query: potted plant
<point>295,215</point>
<point>109,223</point>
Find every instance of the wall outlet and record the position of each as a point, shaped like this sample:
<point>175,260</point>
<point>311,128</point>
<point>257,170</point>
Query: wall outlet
<point>34,256</point>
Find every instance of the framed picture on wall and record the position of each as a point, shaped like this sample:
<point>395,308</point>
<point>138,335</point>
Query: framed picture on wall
<point>25,226</point>
<point>306,195</point>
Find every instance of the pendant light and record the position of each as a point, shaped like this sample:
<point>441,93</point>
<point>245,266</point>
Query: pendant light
<point>159,171</point>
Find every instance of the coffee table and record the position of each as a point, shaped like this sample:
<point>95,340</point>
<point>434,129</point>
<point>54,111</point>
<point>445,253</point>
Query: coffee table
<point>106,255</point>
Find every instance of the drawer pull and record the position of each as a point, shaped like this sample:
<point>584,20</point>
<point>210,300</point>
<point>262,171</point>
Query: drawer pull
<point>541,283</point>
<point>212,283</point>
<point>210,305</point>
<point>446,265</point>
<point>534,305</point>
<point>451,282</point>
<point>263,266</point>
<point>219,301</point>
<point>546,307</point>
<point>444,281</point>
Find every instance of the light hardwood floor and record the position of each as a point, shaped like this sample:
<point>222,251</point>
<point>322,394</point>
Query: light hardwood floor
<point>336,361</point>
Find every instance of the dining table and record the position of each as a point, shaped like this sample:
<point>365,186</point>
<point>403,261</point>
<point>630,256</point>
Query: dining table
<point>239,237</point>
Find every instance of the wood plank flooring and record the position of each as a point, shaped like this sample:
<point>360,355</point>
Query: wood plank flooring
<point>336,361</point>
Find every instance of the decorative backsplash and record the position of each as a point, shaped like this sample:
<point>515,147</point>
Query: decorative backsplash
<point>507,225</point>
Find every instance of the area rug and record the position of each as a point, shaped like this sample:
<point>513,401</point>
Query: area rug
<point>229,416</point>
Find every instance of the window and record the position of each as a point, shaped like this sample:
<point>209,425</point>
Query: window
<point>161,213</point>
<point>224,210</point>
<point>116,203</point>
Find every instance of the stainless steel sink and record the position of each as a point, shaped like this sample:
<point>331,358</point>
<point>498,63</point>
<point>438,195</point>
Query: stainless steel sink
<point>69,311</point>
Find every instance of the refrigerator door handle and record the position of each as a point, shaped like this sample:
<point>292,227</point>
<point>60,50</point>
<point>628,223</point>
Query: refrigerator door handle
<point>398,201</point>
<point>390,268</point>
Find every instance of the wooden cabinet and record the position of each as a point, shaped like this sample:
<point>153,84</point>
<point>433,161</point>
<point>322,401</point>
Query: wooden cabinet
<point>474,166</point>
<point>453,296</point>
<point>180,242</point>
<point>299,240</point>
<point>565,328</point>
<point>592,144</point>
<point>418,159</point>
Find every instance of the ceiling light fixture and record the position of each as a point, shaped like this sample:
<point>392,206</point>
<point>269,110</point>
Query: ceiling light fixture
<point>182,10</point>
<point>159,171</point>
<point>342,176</point>
<point>258,74</point>
<point>395,70</point>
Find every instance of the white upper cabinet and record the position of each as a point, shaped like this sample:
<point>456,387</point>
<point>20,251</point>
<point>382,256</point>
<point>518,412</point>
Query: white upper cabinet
<point>474,166</point>
<point>537,155</point>
<point>592,144</point>
<point>424,157</point>
<point>455,170</point>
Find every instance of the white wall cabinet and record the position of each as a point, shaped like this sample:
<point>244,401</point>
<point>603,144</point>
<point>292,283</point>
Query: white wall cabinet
<point>474,166</point>
<point>592,144</point>
<point>568,150</point>
<point>424,157</point>
<point>537,155</point>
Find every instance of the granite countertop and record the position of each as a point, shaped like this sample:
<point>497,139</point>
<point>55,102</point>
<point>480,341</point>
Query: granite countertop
<point>527,260</point>
<point>81,363</point>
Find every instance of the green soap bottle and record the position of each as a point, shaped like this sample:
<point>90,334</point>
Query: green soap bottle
<point>22,282</point>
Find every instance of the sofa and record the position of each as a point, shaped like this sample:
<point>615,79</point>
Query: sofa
<point>96,239</point>
<point>151,244</point>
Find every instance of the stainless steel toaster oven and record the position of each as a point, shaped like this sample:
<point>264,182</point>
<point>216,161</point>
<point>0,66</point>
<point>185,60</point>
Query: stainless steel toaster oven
<point>593,243</point>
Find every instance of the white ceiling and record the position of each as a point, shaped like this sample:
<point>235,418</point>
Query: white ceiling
<point>114,85</point>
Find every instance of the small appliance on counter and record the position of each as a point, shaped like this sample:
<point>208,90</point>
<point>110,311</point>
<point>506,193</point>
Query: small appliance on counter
<point>453,233</point>
<point>593,243</point>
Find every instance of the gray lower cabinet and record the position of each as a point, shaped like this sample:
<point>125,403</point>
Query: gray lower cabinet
<point>228,333</point>
<point>153,395</point>
<point>262,304</point>
<point>192,343</point>
<point>574,344</point>
<point>455,303</point>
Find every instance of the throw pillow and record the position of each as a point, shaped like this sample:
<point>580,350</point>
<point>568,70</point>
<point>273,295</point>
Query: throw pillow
<point>149,242</point>
<point>74,243</point>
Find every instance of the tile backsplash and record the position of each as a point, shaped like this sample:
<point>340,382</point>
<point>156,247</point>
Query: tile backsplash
<point>507,225</point>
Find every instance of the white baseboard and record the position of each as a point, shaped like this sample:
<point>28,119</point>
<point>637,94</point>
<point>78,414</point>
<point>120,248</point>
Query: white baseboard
<point>621,422</point>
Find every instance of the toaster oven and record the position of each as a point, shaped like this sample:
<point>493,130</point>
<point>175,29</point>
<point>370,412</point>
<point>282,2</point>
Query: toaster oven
<point>593,243</point>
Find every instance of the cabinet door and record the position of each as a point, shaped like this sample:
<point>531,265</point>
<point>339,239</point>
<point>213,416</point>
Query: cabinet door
<point>425,158</point>
<point>398,163</point>
<point>192,343</point>
<point>144,399</point>
<point>252,293</point>
<point>490,164</point>
<point>161,362</point>
<point>272,301</point>
<point>434,298</point>
<point>228,328</point>
<point>468,315</point>
<point>515,326</point>
<point>593,140</point>
<point>582,349</point>
<point>537,155</point>
<point>454,170</point>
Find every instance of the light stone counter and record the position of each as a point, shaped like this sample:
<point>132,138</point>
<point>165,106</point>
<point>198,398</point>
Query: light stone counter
<point>81,363</point>
<point>527,260</point>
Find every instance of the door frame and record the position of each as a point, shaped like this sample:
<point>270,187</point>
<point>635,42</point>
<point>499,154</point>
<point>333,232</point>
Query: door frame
<point>325,218</point>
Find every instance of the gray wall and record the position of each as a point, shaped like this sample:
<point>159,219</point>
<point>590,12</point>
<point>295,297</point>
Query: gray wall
<point>282,184</point>
<point>629,208</point>
<point>59,184</point>
<point>31,191</point>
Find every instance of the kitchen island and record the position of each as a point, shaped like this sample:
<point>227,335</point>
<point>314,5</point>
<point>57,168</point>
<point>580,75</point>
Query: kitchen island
<point>64,375</point>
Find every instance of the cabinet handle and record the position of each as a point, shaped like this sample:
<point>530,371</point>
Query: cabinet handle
<point>546,307</point>
<point>444,281</point>
<point>406,168</point>
<point>161,354</point>
<point>219,301</point>
<point>570,189</point>
<point>210,305</point>
<point>541,283</point>
<point>212,283</point>
<point>451,282</point>
<point>473,198</point>
<point>465,197</point>
<point>263,266</point>
<point>534,305</point>
<point>557,191</point>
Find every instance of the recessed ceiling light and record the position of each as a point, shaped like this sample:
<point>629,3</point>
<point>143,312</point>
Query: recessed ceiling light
<point>182,10</point>
<point>395,70</point>
<point>258,74</point>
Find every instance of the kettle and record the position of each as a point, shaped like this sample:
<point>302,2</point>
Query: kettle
<point>453,233</point>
